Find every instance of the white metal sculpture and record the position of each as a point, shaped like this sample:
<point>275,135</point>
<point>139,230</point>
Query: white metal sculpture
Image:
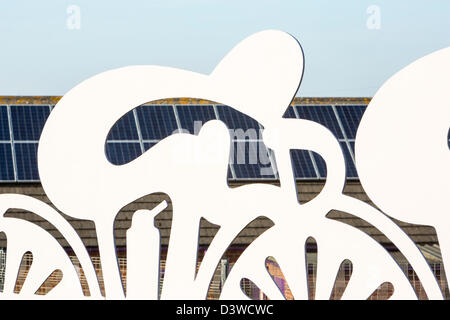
<point>259,77</point>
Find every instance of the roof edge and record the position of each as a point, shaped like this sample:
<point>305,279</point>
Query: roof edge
<point>51,100</point>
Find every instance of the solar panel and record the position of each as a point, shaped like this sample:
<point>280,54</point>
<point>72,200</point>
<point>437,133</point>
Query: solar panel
<point>350,165</point>
<point>290,113</point>
<point>148,145</point>
<point>192,117</point>
<point>124,128</point>
<point>28,121</point>
<point>156,122</point>
<point>249,171</point>
<point>242,126</point>
<point>6,162</point>
<point>321,165</point>
<point>4,124</point>
<point>123,152</point>
<point>302,164</point>
<point>323,115</point>
<point>350,117</point>
<point>26,161</point>
<point>229,173</point>
<point>250,160</point>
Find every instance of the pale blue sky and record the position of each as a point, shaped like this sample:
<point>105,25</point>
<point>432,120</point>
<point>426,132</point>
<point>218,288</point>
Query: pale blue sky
<point>40,55</point>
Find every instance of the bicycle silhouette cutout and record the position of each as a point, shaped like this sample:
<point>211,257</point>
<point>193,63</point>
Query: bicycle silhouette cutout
<point>259,77</point>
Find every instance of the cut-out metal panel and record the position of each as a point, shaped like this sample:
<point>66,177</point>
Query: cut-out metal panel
<point>148,145</point>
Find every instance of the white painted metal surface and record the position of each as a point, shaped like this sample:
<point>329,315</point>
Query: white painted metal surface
<point>259,77</point>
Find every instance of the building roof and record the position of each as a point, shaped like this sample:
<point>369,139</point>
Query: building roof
<point>51,100</point>
<point>422,235</point>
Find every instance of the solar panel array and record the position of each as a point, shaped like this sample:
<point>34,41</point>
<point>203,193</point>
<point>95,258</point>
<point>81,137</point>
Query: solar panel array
<point>21,127</point>
<point>142,128</point>
<point>342,121</point>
